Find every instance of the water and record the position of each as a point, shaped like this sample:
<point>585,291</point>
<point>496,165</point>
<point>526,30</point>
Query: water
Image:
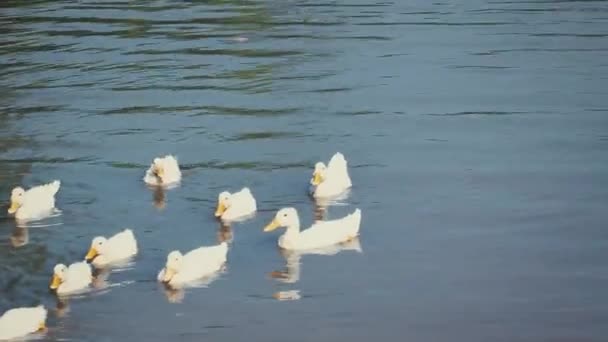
<point>475,132</point>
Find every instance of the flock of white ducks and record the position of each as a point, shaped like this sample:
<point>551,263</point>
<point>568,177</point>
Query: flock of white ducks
<point>328,181</point>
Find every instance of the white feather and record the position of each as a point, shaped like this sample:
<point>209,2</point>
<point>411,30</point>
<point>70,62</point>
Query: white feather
<point>116,249</point>
<point>171,171</point>
<point>336,178</point>
<point>242,205</point>
<point>38,202</point>
<point>320,234</point>
<point>77,278</point>
<point>196,264</point>
<point>19,322</point>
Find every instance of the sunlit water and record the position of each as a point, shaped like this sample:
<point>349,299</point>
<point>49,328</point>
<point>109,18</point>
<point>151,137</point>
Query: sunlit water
<point>476,133</point>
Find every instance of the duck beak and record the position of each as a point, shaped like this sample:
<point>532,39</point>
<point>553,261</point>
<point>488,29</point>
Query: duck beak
<point>274,224</point>
<point>91,254</point>
<point>42,326</point>
<point>160,172</point>
<point>13,208</point>
<point>221,208</point>
<point>169,273</point>
<point>55,282</point>
<point>316,180</point>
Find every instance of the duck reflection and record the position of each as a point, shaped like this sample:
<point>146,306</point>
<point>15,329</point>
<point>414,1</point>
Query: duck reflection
<point>321,204</point>
<point>292,271</point>
<point>287,295</point>
<point>100,278</point>
<point>176,294</point>
<point>158,197</point>
<point>20,236</point>
<point>62,308</point>
<point>225,233</point>
<point>320,212</point>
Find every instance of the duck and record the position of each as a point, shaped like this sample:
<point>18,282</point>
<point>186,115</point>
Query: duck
<point>34,203</point>
<point>163,171</point>
<point>235,206</point>
<point>120,247</point>
<point>182,269</point>
<point>20,322</point>
<point>69,280</point>
<point>331,180</point>
<point>320,234</point>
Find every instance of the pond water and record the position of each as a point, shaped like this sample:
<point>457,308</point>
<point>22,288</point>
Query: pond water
<point>476,134</point>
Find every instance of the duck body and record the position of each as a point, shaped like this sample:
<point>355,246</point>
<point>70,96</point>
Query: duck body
<point>35,203</point>
<point>73,279</point>
<point>20,322</point>
<point>235,206</point>
<point>164,171</point>
<point>320,234</point>
<point>204,261</point>
<point>105,252</point>
<point>331,180</point>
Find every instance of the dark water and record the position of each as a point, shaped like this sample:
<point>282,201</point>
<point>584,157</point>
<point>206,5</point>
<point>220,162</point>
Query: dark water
<point>476,132</point>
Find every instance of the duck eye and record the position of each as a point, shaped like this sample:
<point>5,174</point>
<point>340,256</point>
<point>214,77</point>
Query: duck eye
<point>284,215</point>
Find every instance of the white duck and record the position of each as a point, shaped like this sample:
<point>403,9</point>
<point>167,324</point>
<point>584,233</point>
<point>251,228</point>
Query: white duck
<point>331,180</point>
<point>320,234</point>
<point>119,247</point>
<point>194,265</point>
<point>37,202</point>
<point>234,206</point>
<point>163,171</point>
<point>19,322</point>
<point>68,280</point>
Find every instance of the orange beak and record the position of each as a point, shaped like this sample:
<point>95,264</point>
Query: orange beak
<point>55,282</point>
<point>274,224</point>
<point>91,254</point>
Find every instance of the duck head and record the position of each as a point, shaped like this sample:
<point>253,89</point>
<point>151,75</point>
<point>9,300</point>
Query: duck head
<point>286,217</point>
<point>223,203</point>
<point>16,199</point>
<point>59,276</point>
<point>98,246</point>
<point>173,265</point>
<point>319,174</point>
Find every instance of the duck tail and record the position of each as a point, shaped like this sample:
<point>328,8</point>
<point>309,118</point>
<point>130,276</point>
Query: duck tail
<point>54,186</point>
<point>356,219</point>
<point>41,311</point>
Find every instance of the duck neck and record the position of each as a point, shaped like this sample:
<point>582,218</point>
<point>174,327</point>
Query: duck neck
<point>294,229</point>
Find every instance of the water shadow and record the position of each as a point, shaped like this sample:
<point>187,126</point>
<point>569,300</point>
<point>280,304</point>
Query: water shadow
<point>225,233</point>
<point>291,274</point>
<point>20,236</point>
<point>176,294</point>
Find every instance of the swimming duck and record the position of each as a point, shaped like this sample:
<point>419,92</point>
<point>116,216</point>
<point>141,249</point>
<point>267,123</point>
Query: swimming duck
<point>331,180</point>
<point>234,206</point>
<point>19,322</point>
<point>163,171</point>
<point>34,203</point>
<point>320,234</point>
<point>119,247</point>
<point>68,280</point>
<point>194,265</point>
